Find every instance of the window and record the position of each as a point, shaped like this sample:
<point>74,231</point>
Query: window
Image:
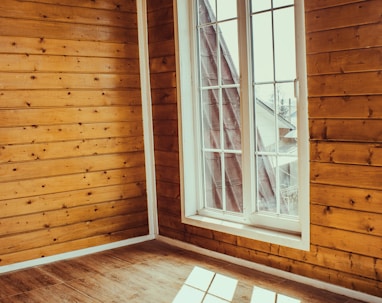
<point>244,128</point>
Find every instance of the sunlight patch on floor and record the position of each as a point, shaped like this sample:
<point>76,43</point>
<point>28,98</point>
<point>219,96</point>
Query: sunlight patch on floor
<point>205,286</point>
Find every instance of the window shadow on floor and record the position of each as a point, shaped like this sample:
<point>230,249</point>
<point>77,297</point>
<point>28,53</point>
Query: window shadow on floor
<point>205,286</point>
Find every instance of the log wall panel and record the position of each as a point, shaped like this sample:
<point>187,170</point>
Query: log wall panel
<point>76,148</point>
<point>115,5</point>
<point>345,61</point>
<point>66,132</point>
<point>348,38</point>
<point>71,14</point>
<point>345,107</point>
<point>344,82</point>
<point>60,167</point>
<point>357,199</point>
<point>346,130</point>
<point>72,167</point>
<point>48,63</point>
<point>55,30</point>
<point>354,14</point>
<point>360,222</point>
<point>42,45</point>
<point>97,81</point>
<point>56,248</point>
<point>346,153</point>
<point>61,234</point>
<point>50,185</point>
<point>37,221</point>
<point>316,5</point>
<point>17,99</point>
<point>70,199</point>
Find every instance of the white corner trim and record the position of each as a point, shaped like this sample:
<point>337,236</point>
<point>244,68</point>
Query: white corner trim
<point>147,117</point>
<point>273,271</point>
<point>73,254</point>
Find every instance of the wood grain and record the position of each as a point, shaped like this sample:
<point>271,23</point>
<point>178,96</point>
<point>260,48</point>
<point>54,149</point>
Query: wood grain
<point>346,107</point>
<point>72,166</point>
<point>353,14</point>
<point>356,37</point>
<point>344,65</point>
<point>147,272</point>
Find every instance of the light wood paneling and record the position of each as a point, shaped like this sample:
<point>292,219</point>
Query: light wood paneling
<point>345,107</point>
<point>72,167</point>
<point>360,60</point>
<point>117,5</point>
<point>70,199</point>
<point>69,14</point>
<point>324,4</point>
<point>65,132</point>
<point>344,82</point>
<point>356,130</point>
<point>346,153</point>
<point>68,98</point>
<point>348,38</point>
<point>49,63</point>
<point>42,45</point>
<point>359,199</point>
<point>353,14</point>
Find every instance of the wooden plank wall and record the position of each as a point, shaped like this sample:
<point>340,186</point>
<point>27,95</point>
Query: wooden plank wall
<point>344,56</point>
<point>72,170</point>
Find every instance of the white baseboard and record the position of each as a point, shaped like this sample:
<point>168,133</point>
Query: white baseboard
<point>273,271</point>
<point>74,254</point>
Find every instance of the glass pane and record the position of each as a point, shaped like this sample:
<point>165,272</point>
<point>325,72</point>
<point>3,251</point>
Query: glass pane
<point>213,180</point>
<point>229,56</point>
<point>266,94</point>
<point>265,118</point>
<point>227,9</point>
<point>207,11</point>
<point>260,5</point>
<point>288,185</point>
<point>233,181</point>
<point>287,110</point>
<point>211,118</point>
<point>231,116</point>
<point>262,47</point>
<point>208,55</point>
<point>285,48</point>
<point>266,187</point>
<point>279,3</point>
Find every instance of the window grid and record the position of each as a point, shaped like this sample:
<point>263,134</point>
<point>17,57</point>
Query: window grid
<point>259,154</point>
<point>222,149</point>
<point>219,185</point>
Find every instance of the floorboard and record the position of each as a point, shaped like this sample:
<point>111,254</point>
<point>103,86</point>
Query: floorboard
<point>153,272</point>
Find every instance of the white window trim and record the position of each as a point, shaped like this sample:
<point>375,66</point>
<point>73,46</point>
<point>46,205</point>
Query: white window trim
<point>191,193</point>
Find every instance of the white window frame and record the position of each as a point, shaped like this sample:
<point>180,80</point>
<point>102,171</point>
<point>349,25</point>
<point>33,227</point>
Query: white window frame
<point>189,128</point>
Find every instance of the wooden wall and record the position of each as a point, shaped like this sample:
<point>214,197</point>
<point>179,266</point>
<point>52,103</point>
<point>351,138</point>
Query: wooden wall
<point>344,56</point>
<point>72,170</point>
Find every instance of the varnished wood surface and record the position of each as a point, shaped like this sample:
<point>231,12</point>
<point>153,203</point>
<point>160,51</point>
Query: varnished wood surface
<point>344,63</point>
<point>146,272</point>
<point>72,167</point>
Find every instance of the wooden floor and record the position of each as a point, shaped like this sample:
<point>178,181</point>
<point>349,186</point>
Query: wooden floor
<point>148,272</point>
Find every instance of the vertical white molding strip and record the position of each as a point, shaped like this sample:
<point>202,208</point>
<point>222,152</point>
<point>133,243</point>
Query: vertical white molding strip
<point>147,116</point>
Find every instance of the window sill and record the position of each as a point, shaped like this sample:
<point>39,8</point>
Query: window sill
<point>247,231</point>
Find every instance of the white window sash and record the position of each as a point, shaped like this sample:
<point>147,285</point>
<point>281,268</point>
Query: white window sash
<point>251,223</point>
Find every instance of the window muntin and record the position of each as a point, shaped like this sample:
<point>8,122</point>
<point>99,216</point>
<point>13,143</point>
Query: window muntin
<point>222,151</point>
<point>218,65</point>
<point>273,49</point>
